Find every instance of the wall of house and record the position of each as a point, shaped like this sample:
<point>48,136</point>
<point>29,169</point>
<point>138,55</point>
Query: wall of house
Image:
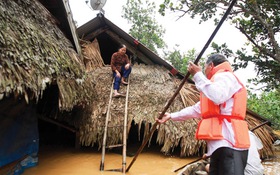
<point>18,130</point>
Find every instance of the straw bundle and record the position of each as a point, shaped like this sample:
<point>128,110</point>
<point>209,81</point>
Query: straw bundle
<point>91,55</point>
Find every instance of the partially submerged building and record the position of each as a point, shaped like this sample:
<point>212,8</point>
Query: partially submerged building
<point>56,76</point>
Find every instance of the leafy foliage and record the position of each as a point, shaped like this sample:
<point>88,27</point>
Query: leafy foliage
<point>180,60</point>
<point>144,26</point>
<point>258,20</point>
<point>268,71</point>
<point>267,105</point>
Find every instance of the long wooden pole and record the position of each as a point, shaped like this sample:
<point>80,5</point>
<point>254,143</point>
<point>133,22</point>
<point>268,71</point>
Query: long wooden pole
<point>188,164</point>
<point>181,84</point>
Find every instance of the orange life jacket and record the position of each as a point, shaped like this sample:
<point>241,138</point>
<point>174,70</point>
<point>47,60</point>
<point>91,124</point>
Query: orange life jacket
<point>210,127</point>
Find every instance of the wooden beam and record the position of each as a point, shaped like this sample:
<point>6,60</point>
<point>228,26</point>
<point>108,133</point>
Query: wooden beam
<point>57,123</point>
<point>72,26</point>
<point>77,140</point>
<point>94,34</point>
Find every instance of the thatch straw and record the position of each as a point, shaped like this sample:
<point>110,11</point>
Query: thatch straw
<point>35,53</point>
<point>91,54</point>
<point>264,133</point>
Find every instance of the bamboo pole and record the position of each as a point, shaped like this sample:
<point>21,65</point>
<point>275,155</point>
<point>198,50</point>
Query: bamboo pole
<point>125,130</point>
<point>181,84</point>
<point>105,129</point>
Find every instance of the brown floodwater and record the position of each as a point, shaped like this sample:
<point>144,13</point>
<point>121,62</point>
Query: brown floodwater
<point>61,161</point>
<point>272,166</point>
<point>68,161</point>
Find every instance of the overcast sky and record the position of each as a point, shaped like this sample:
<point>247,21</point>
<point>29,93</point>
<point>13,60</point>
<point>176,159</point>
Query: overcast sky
<point>186,32</point>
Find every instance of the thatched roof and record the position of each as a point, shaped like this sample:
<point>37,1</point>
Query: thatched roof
<point>35,53</point>
<point>150,88</point>
<point>265,133</point>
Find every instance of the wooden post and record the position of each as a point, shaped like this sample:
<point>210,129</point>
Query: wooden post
<point>77,140</point>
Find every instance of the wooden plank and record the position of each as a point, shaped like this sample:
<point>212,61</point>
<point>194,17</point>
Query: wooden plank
<point>114,146</point>
<point>72,26</point>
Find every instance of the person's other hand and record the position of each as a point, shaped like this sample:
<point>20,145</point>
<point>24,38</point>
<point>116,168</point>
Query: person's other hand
<point>127,66</point>
<point>193,69</point>
<point>164,118</point>
<point>205,156</point>
<point>118,75</point>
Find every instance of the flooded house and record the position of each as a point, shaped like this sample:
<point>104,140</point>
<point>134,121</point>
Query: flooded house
<point>56,80</point>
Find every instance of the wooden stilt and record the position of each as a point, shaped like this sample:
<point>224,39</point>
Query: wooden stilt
<point>77,140</point>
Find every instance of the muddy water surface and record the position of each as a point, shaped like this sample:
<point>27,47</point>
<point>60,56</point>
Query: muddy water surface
<point>272,166</point>
<point>68,161</point>
<point>61,161</point>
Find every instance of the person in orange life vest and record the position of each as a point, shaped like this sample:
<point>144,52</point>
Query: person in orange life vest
<point>121,68</point>
<point>222,107</point>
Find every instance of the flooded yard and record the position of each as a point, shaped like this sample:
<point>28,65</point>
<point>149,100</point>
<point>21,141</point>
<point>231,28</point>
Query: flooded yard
<point>272,166</point>
<point>68,161</point>
<point>86,162</point>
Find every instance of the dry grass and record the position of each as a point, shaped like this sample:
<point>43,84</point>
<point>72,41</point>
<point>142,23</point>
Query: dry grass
<point>264,133</point>
<point>35,54</point>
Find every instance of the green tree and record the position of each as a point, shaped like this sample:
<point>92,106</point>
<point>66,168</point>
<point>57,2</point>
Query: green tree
<point>144,25</point>
<point>267,105</point>
<point>180,60</point>
<point>258,20</point>
<point>268,72</point>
